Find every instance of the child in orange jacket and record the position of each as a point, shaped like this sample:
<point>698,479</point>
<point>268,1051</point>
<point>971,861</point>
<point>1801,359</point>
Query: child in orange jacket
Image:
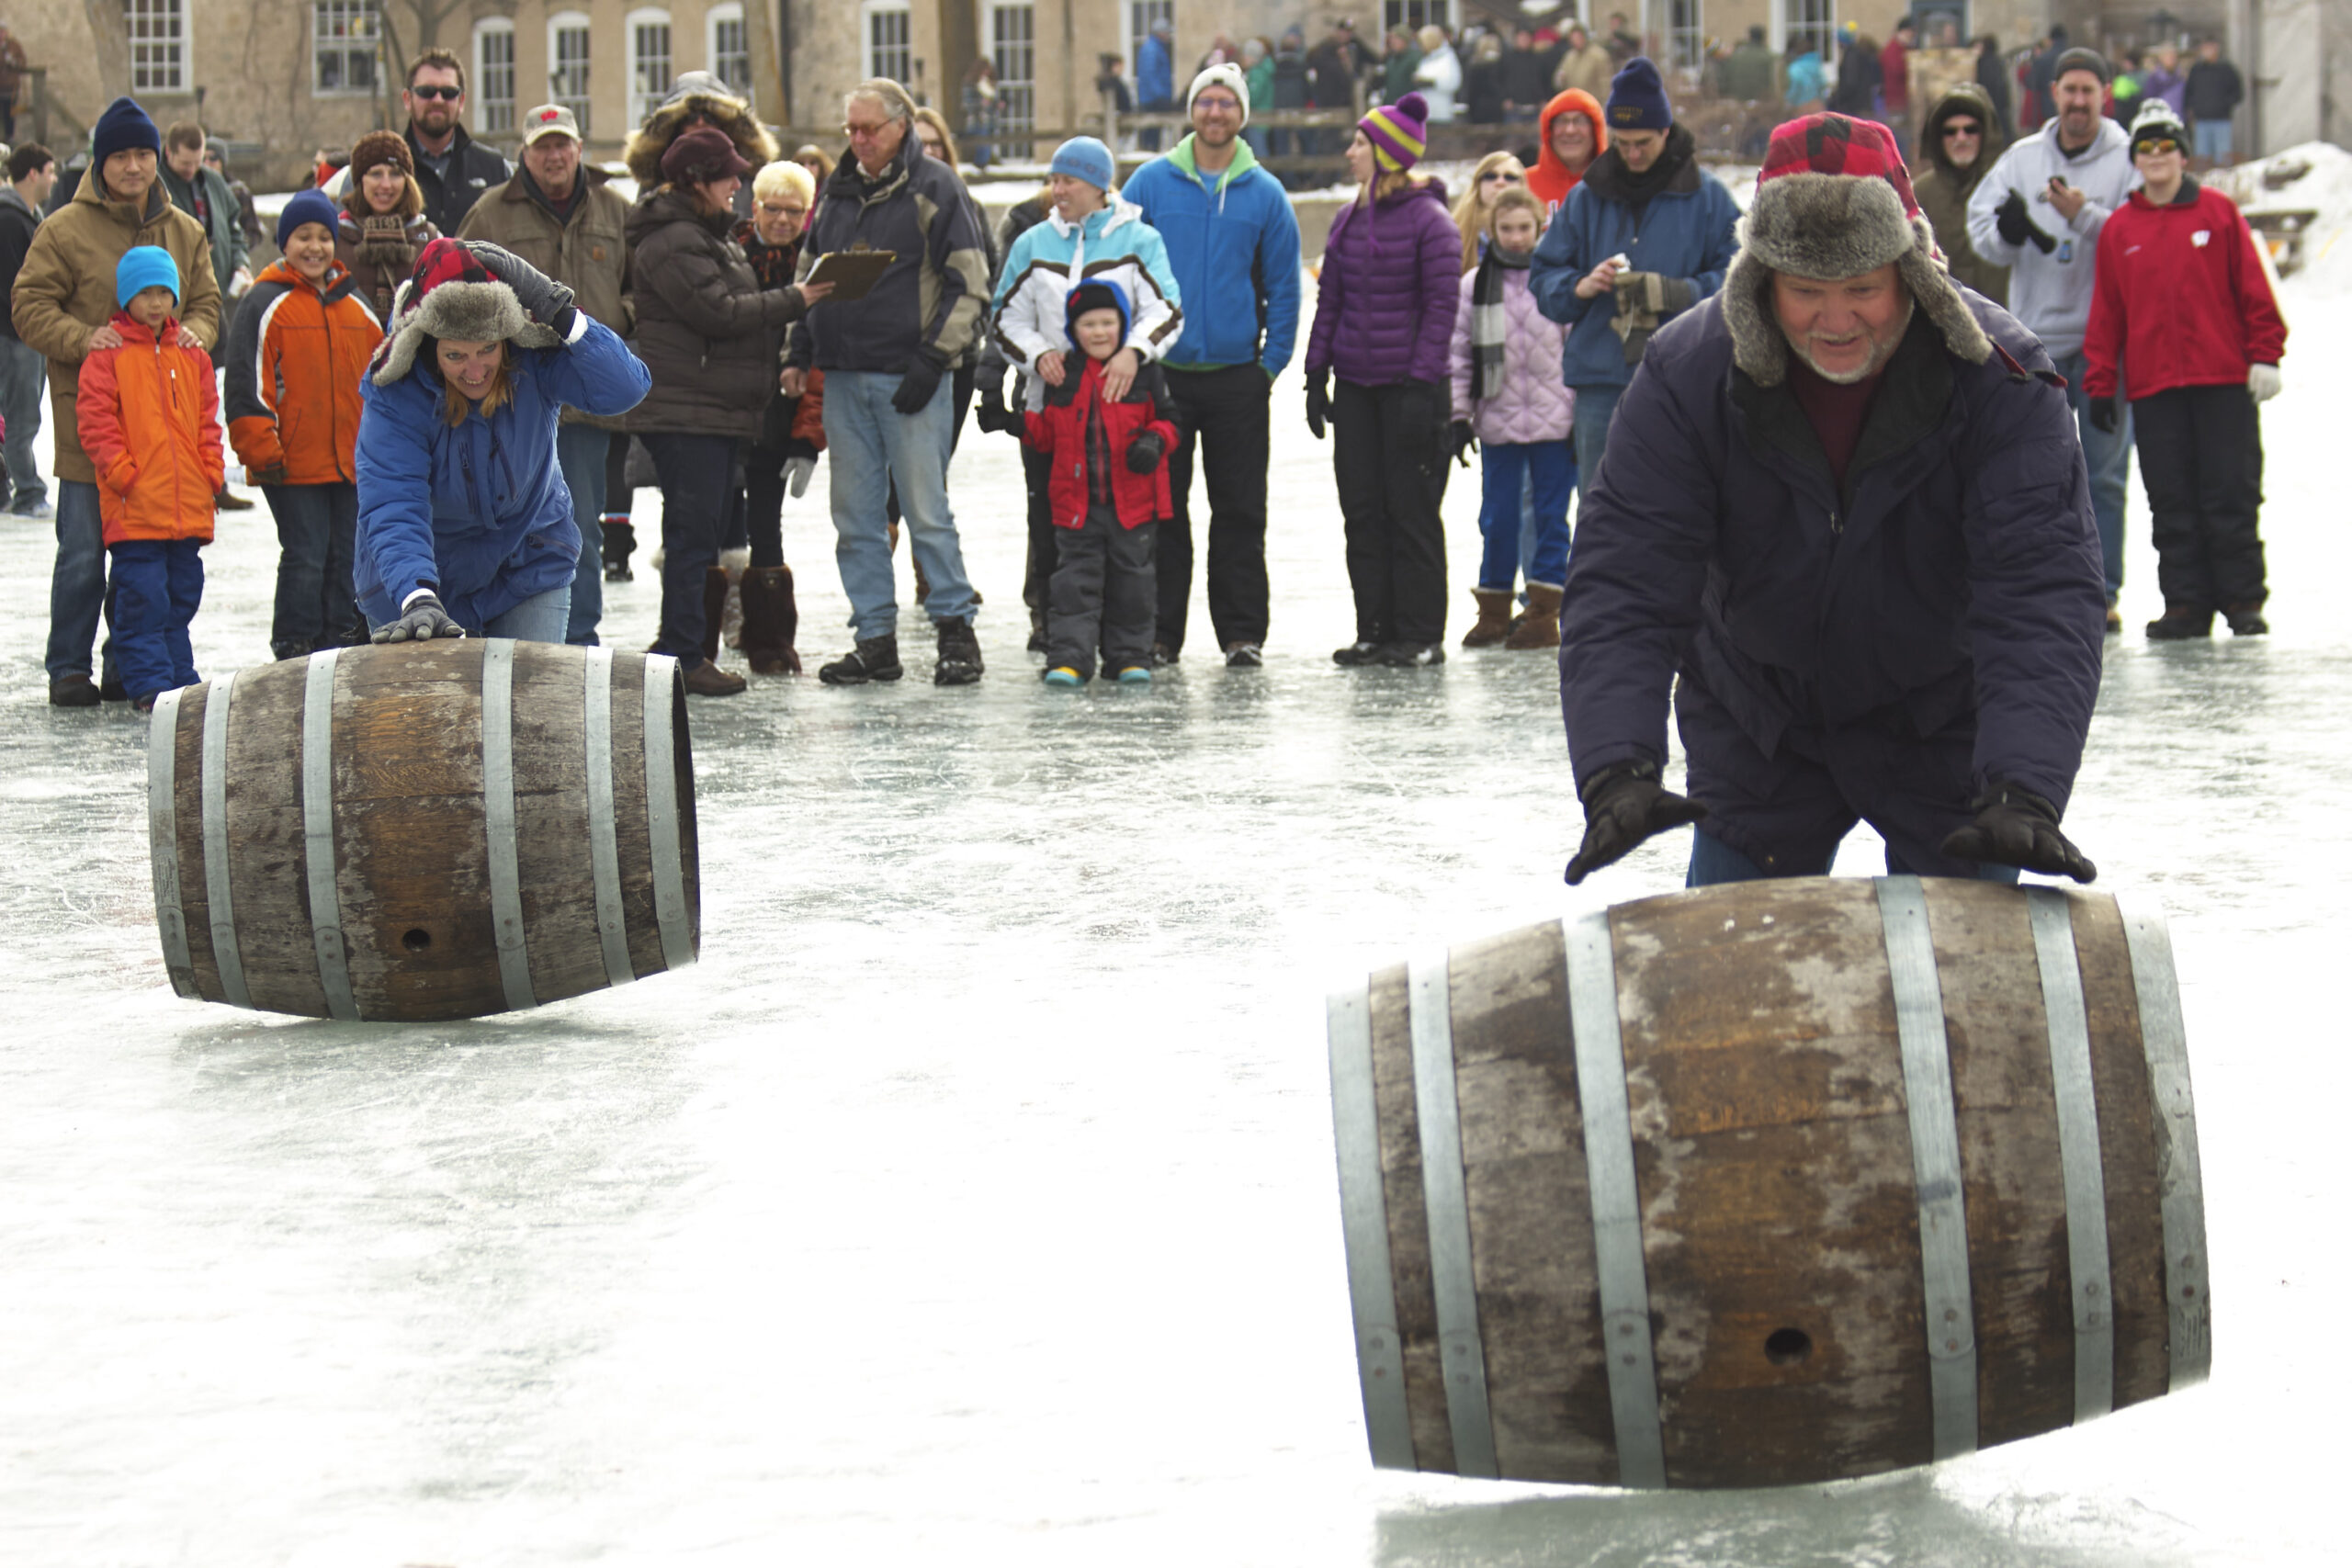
<point>150,420</point>
<point>301,344</point>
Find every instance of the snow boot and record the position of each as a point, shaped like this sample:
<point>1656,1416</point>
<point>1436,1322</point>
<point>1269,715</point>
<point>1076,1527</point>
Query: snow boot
<point>707,680</point>
<point>1411,655</point>
<point>873,658</point>
<point>1363,650</point>
<point>770,620</point>
<point>959,654</point>
<point>1539,627</point>
<point>734,563</point>
<point>2180,623</point>
<point>713,605</point>
<point>621,543</point>
<point>2246,620</point>
<point>1494,618</point>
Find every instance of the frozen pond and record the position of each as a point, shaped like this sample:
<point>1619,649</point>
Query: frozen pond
<point>973,1200</point>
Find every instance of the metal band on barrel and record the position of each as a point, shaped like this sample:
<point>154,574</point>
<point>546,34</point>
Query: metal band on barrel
<point>216,843</point>
<point>662,813</point>
<point>1622,1272</point>
<point>163,840</point>
<point>1363,1217</point>
<point>498,805</point>
<point>318,834</point>
<point>1935,1162</point>
<point>2052,915</point>
<point>2180,1177</point>
<point>604,847</point>
<point>1461,1353</point>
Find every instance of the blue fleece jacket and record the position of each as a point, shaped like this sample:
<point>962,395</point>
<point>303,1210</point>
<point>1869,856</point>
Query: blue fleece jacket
<point>478,511</point>
<point>1232,242</point>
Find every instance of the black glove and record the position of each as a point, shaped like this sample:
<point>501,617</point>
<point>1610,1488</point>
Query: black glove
<point>1318,405</point>
<point>1623,804</point>
<point>916,387</point>
<point>1466,441</point>
<point>543,299</point>
<point>1145,452</point>
<point>423,620</point>
<point>2011,219</point>
<point>2106,414</point>
<point>2016,827</point>
<point>991,413</point>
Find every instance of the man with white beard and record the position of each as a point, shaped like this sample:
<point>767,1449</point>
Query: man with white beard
<point>1843,518</point>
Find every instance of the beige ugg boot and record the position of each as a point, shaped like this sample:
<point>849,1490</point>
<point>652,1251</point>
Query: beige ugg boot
<point>1539,627</point>
<point>1494,617</point>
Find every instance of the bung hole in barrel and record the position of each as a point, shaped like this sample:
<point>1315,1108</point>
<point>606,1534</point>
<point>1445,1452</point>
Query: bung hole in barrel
<point>416,938</point>
<point>1787,1346</point>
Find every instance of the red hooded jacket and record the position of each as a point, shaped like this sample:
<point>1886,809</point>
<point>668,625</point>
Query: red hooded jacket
<point>2180,296</point>
<point>1060,428</point>
<point>1550,179</point>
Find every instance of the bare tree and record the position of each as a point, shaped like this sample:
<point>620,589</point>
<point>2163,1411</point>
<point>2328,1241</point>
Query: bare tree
<point>768,98</point>
<point>111,33</point>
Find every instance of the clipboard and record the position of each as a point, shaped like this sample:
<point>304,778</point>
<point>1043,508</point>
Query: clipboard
<point>853,272</point>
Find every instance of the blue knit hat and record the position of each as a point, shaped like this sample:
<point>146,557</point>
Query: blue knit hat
<point>145,266</point>
<point>305,207</point>
<point>1637,100</point>
<point>1084,158</point>
<point>124,126</point>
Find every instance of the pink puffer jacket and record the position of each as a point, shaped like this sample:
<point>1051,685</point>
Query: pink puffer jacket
<point>1533,404</point>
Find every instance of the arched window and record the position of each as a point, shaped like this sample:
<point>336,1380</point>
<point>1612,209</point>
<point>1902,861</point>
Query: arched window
<point>727,46</point>
<point>493,78</point>
<point>567,63</point>
<point>647,33</point>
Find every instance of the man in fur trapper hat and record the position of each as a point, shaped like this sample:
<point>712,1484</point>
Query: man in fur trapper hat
<point>1843,503</point>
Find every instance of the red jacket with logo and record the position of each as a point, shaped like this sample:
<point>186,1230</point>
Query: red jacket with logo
<point>2181,298</point>
<point>1084,434</point>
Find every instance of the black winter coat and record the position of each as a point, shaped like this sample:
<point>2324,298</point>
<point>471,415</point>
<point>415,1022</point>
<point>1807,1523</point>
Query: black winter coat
<point>473,170</point>
<point>1958,572</point>
<point>705,328</point>
<point>17,222</point>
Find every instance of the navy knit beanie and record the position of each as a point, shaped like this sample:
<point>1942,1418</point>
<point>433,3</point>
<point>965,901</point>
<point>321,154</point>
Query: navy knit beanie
<point>306,207</point>
<point>1637,98</point>
<point>124,126</point>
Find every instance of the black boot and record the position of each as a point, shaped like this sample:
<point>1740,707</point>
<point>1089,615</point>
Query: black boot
<point>621,543</point>
<point>2246,620</point>
<point>959,654</point>
<point>873,658</point>
<point>770,620</point>
<point>2180,623</point>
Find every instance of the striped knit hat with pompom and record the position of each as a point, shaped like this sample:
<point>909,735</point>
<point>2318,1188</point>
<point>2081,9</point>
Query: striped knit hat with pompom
<point>1398,132</point>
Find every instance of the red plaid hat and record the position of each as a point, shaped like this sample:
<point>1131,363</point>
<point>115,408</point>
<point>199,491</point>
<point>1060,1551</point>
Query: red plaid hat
<point>444,261</point>
<point>1835,144</point>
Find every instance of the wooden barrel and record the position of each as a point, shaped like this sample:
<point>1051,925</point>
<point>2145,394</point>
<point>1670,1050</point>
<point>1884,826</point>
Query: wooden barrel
<point>432,830</point>
<point>1777,1183</point>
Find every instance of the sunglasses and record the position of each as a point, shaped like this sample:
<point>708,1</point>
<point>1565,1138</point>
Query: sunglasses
<point>1964,128</point>
<point>1503,175</point>
<point>446,95</point>
<point>2156,147</point>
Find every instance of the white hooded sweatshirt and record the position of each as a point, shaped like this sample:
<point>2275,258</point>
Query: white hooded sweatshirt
<point>2050,295</point>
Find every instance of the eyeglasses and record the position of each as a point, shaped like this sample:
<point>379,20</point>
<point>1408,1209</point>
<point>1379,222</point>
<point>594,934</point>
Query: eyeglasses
<point>772,210</point>
<point>2155,147</point>
<point>1964,127</point>
<point>1503,175</point>
<point>446,95</point>
<point>857,132</point>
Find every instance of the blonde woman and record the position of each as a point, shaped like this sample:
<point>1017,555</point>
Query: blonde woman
<point>1496,172</point>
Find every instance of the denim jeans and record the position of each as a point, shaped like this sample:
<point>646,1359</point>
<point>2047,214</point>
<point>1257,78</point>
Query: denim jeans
<point>158,585</point>
<point>1509,469</point>
<point>1712,862</point>
<point>1531,532</point>
<point>2108,459</point>
<point>540,618</point>
<point>316,607</point>
<point>698,479</point>
<point>23,386</point>
<point>77,587</point>
<point>2213,139</point>
<point>1596,406</point>
<point>872,445</point>
<point>581,451</point>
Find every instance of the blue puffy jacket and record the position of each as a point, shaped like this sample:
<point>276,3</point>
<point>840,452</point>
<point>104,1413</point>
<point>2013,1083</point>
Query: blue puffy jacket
<point>1685,232</point>
<point>1232,242</point>
<point>478,511</point>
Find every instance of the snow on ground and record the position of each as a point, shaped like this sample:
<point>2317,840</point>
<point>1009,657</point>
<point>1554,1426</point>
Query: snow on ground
<point>972,1200</point>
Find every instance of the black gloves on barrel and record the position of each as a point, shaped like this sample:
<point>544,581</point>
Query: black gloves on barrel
<point>1623,804</point>
<point>422,621</point>
<point>916,387</point>
<point>2016,228</point>
<point>2016,827</point>
<point>1318,404</point>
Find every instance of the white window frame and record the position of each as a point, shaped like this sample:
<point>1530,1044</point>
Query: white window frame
<point>495,114</point>
<point>361,40</point>
<point>1015,115</point>
<point>1415,15</point>
<point>645,93</point>
<point>158,31</point>
<point>1686,40</point>
<point>714,58</point>
<point>578,101</point>
<point>871,55</point>
<point>1135,26</point>
<point>1824,28</point>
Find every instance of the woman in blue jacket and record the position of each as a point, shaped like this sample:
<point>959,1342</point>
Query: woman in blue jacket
<point>465,525</point>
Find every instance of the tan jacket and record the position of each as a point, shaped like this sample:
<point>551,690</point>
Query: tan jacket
<point>589,253</point>
<point>65,291</point>
<point>1589,68</point>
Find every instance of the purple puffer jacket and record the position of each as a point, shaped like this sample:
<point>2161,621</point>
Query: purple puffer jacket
<point>1532,404</point>
<point>1384,307</point>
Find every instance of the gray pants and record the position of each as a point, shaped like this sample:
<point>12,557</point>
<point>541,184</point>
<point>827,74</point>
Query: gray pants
<point>24,385</point>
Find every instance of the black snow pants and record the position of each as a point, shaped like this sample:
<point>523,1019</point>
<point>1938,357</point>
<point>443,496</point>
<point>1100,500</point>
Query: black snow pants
<point>1388,454</point>
<point>2201,456</point>
<point>1102,594</point>
<point>1226,416</point>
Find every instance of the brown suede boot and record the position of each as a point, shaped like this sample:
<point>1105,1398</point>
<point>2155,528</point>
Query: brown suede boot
<point>714,607</point>
<point>770,620</point>
<point>1539,627</point>
<point>1494,617</point>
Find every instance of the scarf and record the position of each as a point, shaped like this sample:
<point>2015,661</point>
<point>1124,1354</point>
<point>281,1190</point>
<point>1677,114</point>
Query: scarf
<point>1490,322</point>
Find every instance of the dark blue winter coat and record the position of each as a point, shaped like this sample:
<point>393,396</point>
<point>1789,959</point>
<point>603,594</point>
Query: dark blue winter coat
<point>479,511</point>
<point>1684,231</point>
<point>1958,573</point>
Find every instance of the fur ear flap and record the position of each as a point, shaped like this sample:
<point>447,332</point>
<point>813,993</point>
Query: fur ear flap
<point>1758,347</point>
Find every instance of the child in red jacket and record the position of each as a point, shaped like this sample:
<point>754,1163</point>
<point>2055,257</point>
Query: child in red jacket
<point>150,422</point>
<point>1108,485</point>
<point>2184,311</point>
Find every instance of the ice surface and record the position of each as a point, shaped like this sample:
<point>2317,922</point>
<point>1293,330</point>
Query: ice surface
<point>973,1200</point>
